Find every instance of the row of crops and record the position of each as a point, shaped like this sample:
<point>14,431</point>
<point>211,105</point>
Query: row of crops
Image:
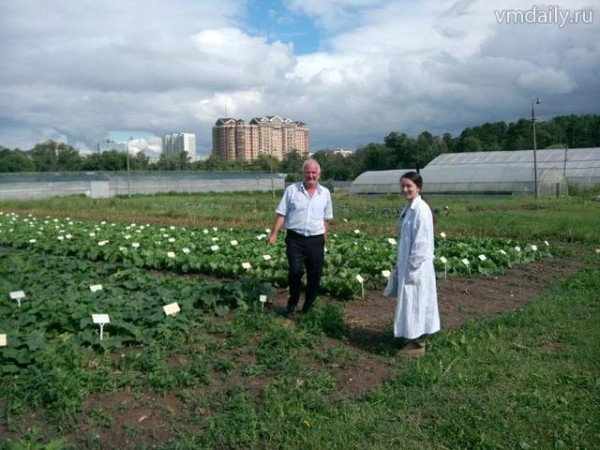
<point>67,271</point>
<point>61,294</point>
<point>355,261</point>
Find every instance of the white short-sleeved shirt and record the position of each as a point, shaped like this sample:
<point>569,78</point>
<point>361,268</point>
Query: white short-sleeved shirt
<point>303,214</point>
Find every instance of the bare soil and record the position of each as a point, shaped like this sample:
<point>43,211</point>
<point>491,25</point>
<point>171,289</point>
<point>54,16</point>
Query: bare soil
<point>476,298</point>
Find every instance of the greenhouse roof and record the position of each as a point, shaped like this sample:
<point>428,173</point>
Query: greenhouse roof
<point>580,166</point>
<point>545,158</point>
<point>21,177</point>
<point>479,173</point>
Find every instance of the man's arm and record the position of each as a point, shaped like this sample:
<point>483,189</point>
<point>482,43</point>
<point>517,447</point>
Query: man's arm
<point>277,224</point>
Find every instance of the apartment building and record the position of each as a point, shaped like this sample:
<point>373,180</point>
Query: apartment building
<point>180,142</point>
<point>271,135</point>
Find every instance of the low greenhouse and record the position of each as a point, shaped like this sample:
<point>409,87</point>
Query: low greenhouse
<point>497,173</point>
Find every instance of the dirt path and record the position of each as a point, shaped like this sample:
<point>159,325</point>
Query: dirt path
<point>370,320</point>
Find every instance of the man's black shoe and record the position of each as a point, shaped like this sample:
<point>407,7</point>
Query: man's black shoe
<point>289,310</point>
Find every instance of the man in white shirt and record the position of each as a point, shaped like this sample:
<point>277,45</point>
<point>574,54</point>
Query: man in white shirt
<point>305,211</point>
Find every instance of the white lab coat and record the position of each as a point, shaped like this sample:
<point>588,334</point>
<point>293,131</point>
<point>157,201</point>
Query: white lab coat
<point>417,306</point>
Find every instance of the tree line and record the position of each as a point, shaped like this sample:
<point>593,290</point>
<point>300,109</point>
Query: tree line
<point>397,151</point>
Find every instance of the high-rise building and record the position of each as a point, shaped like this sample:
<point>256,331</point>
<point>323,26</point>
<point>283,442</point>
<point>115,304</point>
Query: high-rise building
<point>271,135</point>
<point>180,142</point>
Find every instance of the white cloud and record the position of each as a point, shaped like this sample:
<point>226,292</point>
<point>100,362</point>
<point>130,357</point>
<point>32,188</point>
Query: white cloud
<point>77,71</point>
<point>547,80</point>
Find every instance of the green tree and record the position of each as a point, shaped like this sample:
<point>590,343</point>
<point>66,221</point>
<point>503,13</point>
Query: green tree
<point>44,156</point>
<point>265,163</point>
<point>68,158</point>
<point>375,157</point>
<point>449,143</point>
<point>470,144</point>
<point>335,166</point>
<point>140,161</point>
<point>519,135</point>
<point>176,161</point>
<point>212,163</point>
<point>292,163</point>
<point>112,160</point>
<point>427,148</point>
<point>15,161</point>
<point>93,162</point>
<point>51,156</point>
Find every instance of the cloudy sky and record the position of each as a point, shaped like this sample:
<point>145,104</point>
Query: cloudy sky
<point>82,71</point>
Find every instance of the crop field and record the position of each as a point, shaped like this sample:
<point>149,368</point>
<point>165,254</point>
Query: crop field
<point>156,322</point>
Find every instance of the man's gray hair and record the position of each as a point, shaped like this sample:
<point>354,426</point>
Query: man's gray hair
<point>311,161</point>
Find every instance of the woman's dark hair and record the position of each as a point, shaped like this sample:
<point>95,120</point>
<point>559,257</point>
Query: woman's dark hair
<point>415,177</point>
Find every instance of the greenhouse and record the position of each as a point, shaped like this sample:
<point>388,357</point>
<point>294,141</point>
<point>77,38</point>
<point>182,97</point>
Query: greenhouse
<point>497,173</point>
<point>580,166</point>
<point>478,179</point>
<point>29,186</point>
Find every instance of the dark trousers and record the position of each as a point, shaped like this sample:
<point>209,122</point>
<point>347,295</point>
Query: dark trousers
<point>304,253</point>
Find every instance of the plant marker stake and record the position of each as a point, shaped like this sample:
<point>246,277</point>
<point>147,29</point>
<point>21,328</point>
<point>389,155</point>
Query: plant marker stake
<point>445,261</point>
<point>96,287</point>
<point>171,308</point>
<point>2,340</point>
<point>362,287</point>
<point>101,319</point>
<point>465,261</point>
<point>262,299</point>
<point>17,295</point>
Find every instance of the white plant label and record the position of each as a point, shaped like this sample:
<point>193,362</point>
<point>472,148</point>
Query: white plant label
<point>262,299</point>
<point>171,308</point>
<point>2,340</point>
<point>101,319</point>
<point>18,296</point>
<point>95,287</point>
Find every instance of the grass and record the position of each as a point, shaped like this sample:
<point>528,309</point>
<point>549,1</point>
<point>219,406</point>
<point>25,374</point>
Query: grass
<point>528,379</point>
<point>574,219</point>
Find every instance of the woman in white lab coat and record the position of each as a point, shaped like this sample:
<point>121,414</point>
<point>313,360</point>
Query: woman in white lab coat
<point>417,312</point>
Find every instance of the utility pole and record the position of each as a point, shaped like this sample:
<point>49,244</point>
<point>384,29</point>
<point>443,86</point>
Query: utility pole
<point>535,101</point>
<point>128,168</point>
